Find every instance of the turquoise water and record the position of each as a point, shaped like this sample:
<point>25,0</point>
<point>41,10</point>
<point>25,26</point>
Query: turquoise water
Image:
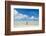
<point>26,19</point>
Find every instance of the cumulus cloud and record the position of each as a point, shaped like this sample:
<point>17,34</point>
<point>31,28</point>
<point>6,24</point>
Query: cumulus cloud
<point>15,12</point>
<point>32,17</point>
<point>21,16</point>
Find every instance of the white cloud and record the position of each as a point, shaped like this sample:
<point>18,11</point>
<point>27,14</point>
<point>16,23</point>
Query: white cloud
<point>15,12</point>
<point>32,17</point>
<point>20,16</point>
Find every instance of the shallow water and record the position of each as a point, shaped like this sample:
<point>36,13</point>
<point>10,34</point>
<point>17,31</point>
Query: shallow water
<point>18,24</point>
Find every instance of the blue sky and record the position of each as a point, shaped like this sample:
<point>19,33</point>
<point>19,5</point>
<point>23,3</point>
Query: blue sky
<point>28,12</point>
